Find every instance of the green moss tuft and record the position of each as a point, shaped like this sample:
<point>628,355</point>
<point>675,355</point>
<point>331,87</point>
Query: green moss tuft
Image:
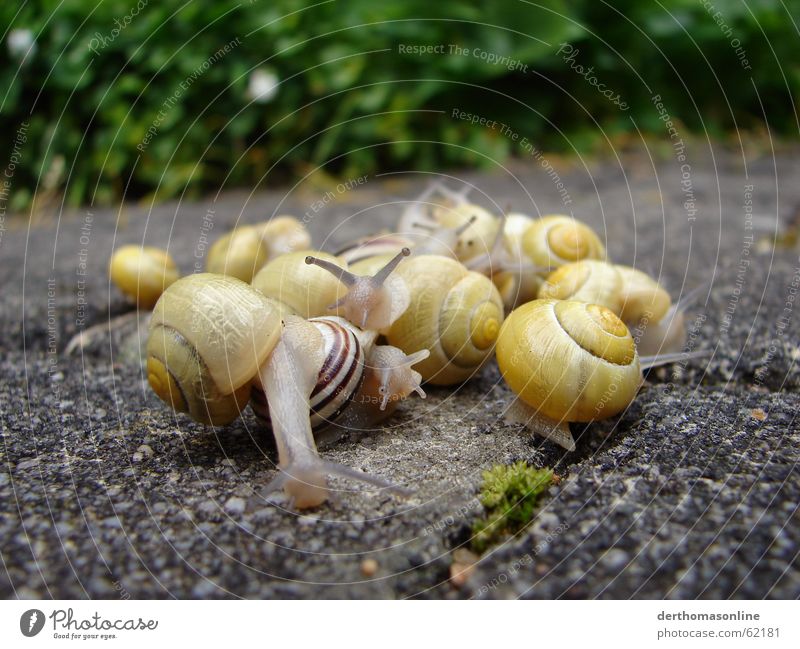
<point>510,495</point>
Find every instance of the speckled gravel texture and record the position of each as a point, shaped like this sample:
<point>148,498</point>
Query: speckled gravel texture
<point>692,492</point>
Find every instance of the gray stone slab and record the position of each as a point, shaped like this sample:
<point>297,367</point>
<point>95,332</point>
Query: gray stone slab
<point>692,492</point>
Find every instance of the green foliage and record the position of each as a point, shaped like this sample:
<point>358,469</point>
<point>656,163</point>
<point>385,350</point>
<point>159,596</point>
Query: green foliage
<point>509,494</point>
<point>349,99</point>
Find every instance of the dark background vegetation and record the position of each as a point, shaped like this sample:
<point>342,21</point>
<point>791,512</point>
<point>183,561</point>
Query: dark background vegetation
<point>345,105</point>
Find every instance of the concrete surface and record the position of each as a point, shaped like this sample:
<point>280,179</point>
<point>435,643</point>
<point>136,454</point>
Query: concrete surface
<point>692,492</point>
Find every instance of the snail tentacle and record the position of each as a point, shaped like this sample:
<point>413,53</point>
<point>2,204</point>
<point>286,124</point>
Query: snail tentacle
<point>372,301</point>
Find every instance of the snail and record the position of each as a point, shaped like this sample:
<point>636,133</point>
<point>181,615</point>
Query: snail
<point>208,336</point>
<point>532,248</point>
<point>644,306</point>
<point>288,379</point>
<point>359,383</point>
<point>569,361</point>
<point>142,273</point>
<point>450,224</point>
<point>439,241</point>
<point>308,285</point>
<point>453,312</point>
<point>245,249</point>
<point>213,339</point>
<point>373,301</point>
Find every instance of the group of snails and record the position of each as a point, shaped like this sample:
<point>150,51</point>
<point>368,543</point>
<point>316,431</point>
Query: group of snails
<point>311,339</point>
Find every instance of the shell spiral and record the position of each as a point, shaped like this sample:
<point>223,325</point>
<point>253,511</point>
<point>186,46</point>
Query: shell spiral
<point>569,360</point>
<point>454,313</point>
<point>208,336</point>
<point>553,241</point>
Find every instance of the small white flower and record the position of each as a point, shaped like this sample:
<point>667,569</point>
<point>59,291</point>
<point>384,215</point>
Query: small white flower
<point>262,86</point>
<point>21,43</point>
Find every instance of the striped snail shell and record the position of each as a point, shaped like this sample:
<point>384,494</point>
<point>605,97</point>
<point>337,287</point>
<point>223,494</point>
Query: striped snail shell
<point>341,375</point>
<point>142,273</point>
<point>208,336</point>
<point>454,313</point>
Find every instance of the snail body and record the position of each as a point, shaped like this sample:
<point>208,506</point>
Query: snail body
<point>208,336</point>
<point>297,288</point>
<point>312,285</point>
<point>142,273</point>
<point>359,383</point>
<point>288,378</point>
<point>243,251</point>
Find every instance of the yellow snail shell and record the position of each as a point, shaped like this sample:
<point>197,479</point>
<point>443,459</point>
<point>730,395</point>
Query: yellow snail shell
<point>142,273</point>
<point>297,288</point>
<point>595,282</point>
<point>553,241</point>
<point>209,334</point>
<point>454,313</point>
<point>569,361</point>
<point>242,252</point>
<point>634,296</point>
